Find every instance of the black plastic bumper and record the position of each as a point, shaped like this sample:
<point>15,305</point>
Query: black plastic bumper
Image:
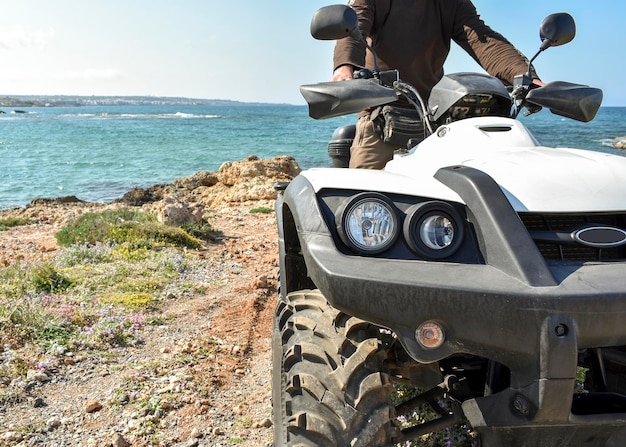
<point>532,318</point>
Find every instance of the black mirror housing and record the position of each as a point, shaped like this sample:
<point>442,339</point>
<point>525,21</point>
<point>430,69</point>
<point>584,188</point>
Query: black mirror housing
<point>334,22</point>
<point>557,29</point>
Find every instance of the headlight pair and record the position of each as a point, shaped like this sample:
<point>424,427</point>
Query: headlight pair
<point>369,224</point>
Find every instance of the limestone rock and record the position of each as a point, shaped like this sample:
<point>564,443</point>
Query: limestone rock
<point>119,441</point>
<point>33,375</point>
<point>93,406</point>
<point>278,168</point>
<point>176,212</point>
<point>53,422</point>
<point>200,178</point>
<point>195,433</point>
<point>251,179</point>
<point>56,200</point>
<point>139,196</point>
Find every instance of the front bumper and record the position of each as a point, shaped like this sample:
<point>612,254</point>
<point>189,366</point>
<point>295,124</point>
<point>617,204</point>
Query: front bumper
<point>532,318</point>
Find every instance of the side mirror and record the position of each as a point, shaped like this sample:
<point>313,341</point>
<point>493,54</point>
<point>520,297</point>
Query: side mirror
<point>335,22</point>
<point>557,29</point>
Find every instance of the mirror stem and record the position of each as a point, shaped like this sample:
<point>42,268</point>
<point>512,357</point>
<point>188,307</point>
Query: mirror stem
<point>358,36</point>
<point>529,72</point>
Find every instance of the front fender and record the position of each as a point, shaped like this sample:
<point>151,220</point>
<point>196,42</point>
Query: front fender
<point>297,214</point>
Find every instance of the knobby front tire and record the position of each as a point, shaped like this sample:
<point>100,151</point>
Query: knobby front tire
<point>329,387</point>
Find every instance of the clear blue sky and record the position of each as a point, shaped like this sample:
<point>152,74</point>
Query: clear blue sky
<point>252,50</point>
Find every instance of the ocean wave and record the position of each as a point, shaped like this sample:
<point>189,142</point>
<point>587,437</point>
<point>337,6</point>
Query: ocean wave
<point>607,142</point>
<point>176,115</point>
<point>194,115</point>
<point>617,143</point>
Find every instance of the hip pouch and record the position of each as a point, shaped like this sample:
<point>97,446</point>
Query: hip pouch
<point>398,125</point>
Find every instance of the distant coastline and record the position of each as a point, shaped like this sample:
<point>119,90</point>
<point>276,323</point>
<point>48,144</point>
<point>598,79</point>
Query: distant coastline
<point>21,101</point>
<point>12,101</point>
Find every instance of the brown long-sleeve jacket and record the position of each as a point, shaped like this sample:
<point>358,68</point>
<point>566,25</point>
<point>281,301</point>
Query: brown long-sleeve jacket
<point>414,36</point>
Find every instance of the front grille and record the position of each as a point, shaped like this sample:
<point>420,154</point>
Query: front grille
<point>553,224</point>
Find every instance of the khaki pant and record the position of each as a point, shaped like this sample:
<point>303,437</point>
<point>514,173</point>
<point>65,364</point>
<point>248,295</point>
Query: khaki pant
<point>368,150</point>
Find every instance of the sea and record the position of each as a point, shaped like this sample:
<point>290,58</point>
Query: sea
<point>99,152</point>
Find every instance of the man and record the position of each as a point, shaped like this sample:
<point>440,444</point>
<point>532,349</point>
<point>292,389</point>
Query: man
<point>414,37</point>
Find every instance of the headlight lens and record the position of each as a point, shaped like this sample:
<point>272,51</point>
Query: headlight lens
<point>433,230</point>
<point>436,231</point>
<point>369,223</point>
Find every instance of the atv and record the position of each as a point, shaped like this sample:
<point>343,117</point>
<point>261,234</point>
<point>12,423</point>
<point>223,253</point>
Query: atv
<point>477,283</point>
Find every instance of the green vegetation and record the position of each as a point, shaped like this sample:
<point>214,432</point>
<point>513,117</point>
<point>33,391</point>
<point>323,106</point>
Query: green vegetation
<point>98,293</point>
<point>130,300</point>
<point>262,210</point>
<point>203,231</point>
<point>124,226</point>
<point>11,222</point>
<point>45,278</point>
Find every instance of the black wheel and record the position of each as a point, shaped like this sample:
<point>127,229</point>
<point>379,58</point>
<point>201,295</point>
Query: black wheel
<point>329,388</point>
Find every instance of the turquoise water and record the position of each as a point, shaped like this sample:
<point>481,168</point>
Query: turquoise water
<point>98,153</point>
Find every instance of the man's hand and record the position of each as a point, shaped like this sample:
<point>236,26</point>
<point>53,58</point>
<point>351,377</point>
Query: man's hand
<point>343,73</point>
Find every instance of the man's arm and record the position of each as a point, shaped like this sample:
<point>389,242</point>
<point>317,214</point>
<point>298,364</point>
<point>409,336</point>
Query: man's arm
<point>349,53</point>
<point>490,49</point>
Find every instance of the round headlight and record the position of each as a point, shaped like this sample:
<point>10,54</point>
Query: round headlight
<point>433,229</point>
<point>369,223</point>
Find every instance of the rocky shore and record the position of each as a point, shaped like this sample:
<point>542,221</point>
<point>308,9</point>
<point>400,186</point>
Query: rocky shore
<point>202,378</point>
<point>619,143</point>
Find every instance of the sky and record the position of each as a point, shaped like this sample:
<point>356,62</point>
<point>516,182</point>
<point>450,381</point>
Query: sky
<point>254,51</point>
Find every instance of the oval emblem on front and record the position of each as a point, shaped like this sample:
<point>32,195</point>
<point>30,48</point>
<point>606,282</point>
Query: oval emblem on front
<point>601,237</point>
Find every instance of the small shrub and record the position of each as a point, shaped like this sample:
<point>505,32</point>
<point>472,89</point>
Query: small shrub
<point>139,229</point>
<point>13,280</point>
<point>261,210</point>
<point>203,231</point>
<point>112,330</point>
<point>119,397</point>
<point>55,336</point>
<point>12,367</point>
<point>142,284</point>
<point>130,300</point>
<point>29,321</point>
<point>103,226</point>
<point>167,235</point>
<point>85,254</point>
<point>45,279</point>
<point>131,252</point>
<point>11,222</point>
